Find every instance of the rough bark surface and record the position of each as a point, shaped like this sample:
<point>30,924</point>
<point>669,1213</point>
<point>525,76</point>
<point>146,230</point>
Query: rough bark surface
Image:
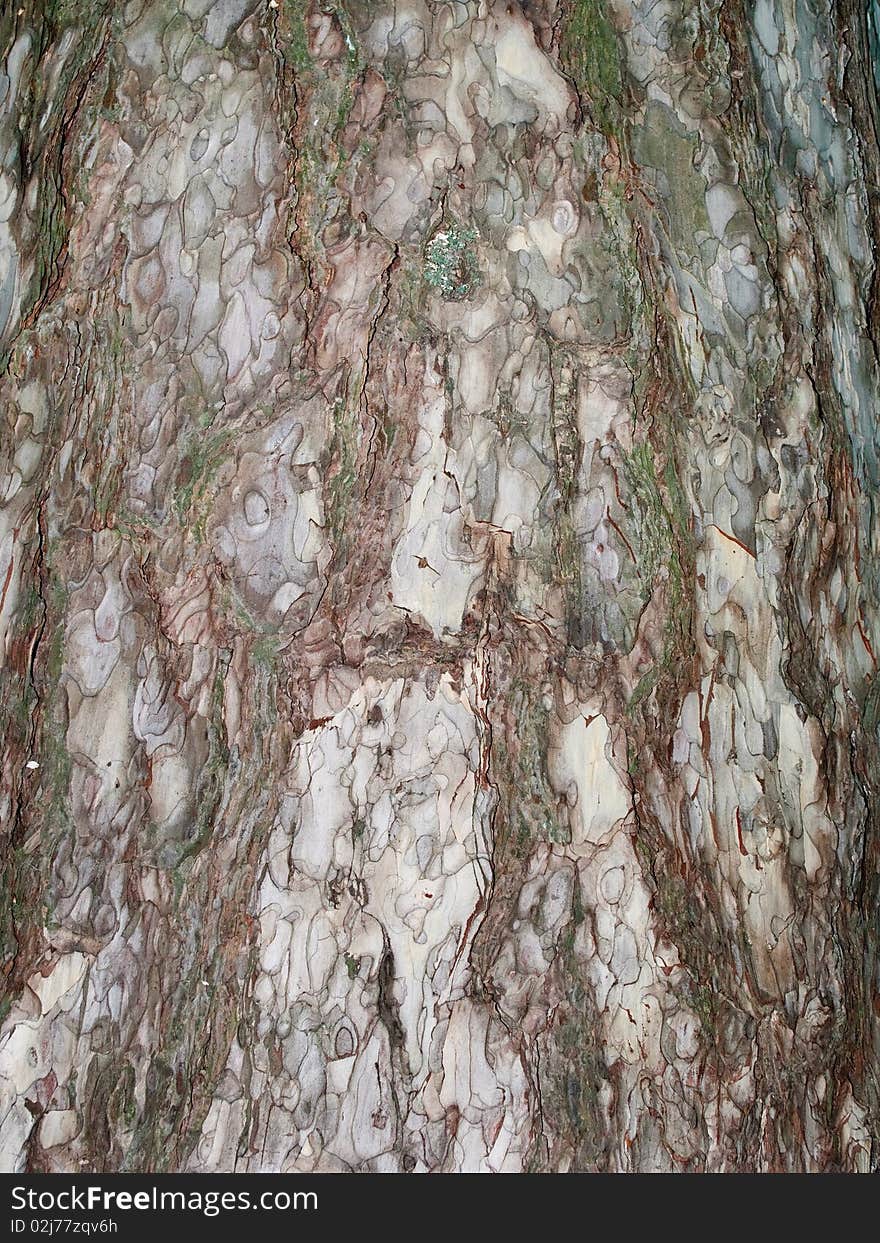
<point>439,584</point>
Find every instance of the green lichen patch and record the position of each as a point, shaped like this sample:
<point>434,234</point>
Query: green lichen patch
<point>663,145</point>
<point>618,240</point>
<point>565,567</point>
<point>266,651</point>
<point>573,1068</point>
<point>63,13</point>
<point>532,813</point>
<point>651,518</point>
<point>662,541</point>
<point>354,66</point>
<point>33,726</point>
<point>296,43</point>
<point>212,779</point>
<point>324,97</point>
<point>591,57</point>
<point>56,760</point>
<point>339,489</point>
<point>198,468</point>
<point>451,262</point>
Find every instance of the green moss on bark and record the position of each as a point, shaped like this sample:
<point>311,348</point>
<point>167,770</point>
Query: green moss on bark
<point>591,56</point>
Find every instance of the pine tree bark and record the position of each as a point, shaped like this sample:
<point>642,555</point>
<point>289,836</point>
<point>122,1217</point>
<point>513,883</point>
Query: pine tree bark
<point>439,582</point>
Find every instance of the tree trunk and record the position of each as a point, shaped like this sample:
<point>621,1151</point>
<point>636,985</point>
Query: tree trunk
<point>440,578</point>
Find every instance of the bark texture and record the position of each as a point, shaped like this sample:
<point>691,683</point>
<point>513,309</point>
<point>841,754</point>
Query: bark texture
<point>440,574</point>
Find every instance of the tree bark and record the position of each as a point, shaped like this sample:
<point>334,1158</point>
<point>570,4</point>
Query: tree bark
<point>440,577</point>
